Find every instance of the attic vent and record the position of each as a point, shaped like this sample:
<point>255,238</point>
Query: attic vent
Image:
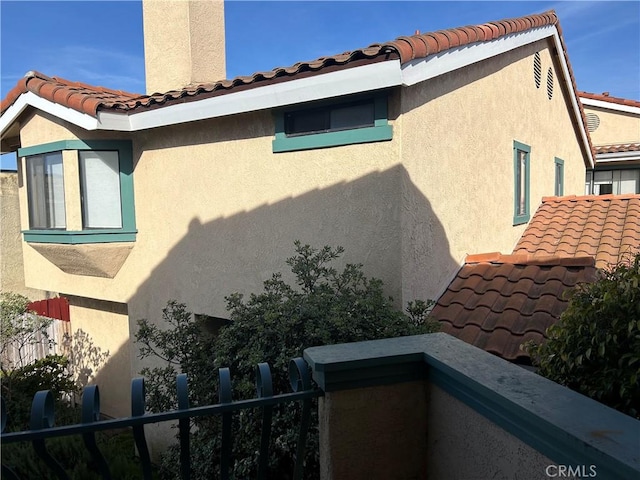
<point>537,69</point>
<point>549,83</point>
<point>593,122</point>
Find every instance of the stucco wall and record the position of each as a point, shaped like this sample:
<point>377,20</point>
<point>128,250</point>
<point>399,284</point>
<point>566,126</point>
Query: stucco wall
<point>101,351</point>
<point>11,262</point>
<point>457,147</point>
<point>615,127</point>
<point>463,444</point>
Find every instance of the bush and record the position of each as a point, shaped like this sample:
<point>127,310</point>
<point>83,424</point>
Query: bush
<point>595,346</point>
<point>326,307</point>
<point>118,449</point>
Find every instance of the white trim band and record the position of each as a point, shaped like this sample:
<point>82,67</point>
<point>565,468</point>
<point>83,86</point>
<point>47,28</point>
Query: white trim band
<point>610,105</point>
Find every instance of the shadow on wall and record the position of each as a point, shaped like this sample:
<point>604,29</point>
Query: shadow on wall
<point>381,220</point>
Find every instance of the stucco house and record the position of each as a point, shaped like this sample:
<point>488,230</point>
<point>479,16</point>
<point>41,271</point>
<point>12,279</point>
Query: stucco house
<point>614,127</point>
<point>409,153</point>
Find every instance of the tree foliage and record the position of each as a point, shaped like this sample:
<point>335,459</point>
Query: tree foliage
<point>326,306</point>
<point>595,346</point>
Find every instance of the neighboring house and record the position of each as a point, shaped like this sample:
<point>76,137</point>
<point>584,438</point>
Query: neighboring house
<point>614,126</point>
<point>408,153</point>
<point>11,261</point>
<point>498,302</point>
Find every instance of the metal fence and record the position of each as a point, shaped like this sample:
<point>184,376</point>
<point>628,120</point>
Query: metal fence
<point>42,422</point>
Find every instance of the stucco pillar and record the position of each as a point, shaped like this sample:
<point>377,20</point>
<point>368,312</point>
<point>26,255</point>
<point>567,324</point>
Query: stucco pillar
<point>374,433</point>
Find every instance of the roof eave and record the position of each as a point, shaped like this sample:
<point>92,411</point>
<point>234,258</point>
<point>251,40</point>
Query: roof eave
<point>375,76</point>
<point>590,102</point>
<point>30,99</point>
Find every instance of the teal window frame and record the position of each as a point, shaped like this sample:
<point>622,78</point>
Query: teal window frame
<point>94,235</point>
<point>518,217</point>
<point>558,165</point>
<point>380,131</point>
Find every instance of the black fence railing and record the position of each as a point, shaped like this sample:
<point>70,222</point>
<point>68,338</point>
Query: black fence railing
<point>42,422</point>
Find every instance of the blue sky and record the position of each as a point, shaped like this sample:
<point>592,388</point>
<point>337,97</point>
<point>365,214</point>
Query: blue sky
<point>101,42</point>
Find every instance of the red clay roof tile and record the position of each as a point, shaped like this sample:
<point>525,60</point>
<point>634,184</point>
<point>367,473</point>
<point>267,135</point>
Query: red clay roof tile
<point>617,148</point>
<point>604,97</point>
<point>606,227</point>
<point>504,300</point>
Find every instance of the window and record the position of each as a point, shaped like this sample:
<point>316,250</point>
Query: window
<point>617,182</point>
<point>100,187</point>
<point>587,185</point>
<point>521,153</point>
<point>559,177</point>
<point>45,185</point>
<point>358,120</point>
<point>105,210</point>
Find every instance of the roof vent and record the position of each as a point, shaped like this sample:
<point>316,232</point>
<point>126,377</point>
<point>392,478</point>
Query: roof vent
<point>549,83</point>
<point>593,122</point>
<point>537,69</point>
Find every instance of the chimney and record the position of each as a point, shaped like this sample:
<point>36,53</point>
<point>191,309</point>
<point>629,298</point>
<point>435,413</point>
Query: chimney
<point>183,43</point>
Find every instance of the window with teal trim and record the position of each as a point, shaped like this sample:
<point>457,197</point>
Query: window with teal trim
<point>321,125</point>
<point>559,177</point>
<point>105,183</point>
<point>521,168</point>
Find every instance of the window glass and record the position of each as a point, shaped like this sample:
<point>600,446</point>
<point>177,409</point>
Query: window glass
<point>559,179</point>
<point>100,187</point>
<point>355,116</point>
<point>330,118</point>
<point>521,183</point>
<point>602,182</point>
<point>587,184</point>
<point>629,181</point>
<point>45,184</point>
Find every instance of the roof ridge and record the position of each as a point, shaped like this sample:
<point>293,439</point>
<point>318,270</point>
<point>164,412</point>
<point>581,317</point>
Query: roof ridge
<point>531,259</point>
<point>575,198</point>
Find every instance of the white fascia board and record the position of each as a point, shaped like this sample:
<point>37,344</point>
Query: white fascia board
<point>610,106</point>
<point>30,99</point>
<point>574,99</point>
<point>343,82</point>
<point>617,157</point>
<point>432,66</point>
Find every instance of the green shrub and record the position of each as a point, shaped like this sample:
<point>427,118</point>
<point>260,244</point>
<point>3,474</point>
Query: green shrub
<point>326,307</point>
<point>20,385</point>
<point>70,452</point>
<point>595,346</point>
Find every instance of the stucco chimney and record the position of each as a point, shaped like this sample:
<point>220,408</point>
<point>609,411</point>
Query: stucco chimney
<point>183,43</point>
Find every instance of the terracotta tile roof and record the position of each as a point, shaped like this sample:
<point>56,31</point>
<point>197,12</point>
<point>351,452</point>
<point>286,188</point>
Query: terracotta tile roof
<point>619,148</point>
<point>497,302</point>
<point>606,98</point>
<point>76,95</point>
<point>606,227</point>
<point>89,100</point>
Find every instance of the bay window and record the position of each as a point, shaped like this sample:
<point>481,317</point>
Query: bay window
<point>80,192</point>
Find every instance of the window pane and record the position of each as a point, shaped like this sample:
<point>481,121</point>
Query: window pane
<point>521,183</point>
<point>559,179</point>
<point>330,118</point>
<point>306,122</point>
<point>603,182</point>
<point>100,185</point>
<point>587,185</point>
<point>629,181</point>
<point>45,186</point>
<point>355,116</point>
